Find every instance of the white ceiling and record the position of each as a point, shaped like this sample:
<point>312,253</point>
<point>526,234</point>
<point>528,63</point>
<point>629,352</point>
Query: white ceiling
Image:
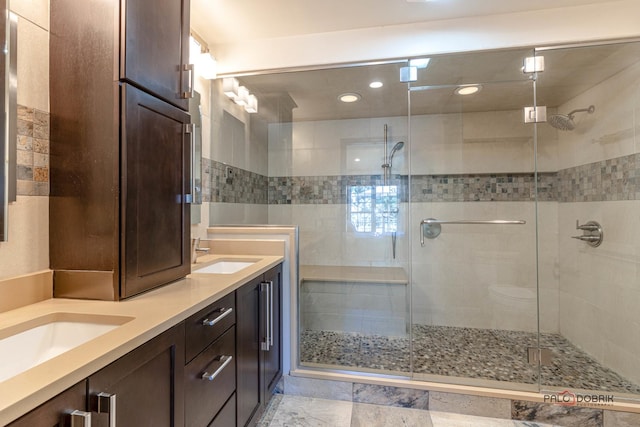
<point>231,21</point>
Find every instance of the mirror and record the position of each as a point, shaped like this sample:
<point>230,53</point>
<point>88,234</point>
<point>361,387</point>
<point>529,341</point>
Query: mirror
<point>8,95</point>
<point>196,157</point>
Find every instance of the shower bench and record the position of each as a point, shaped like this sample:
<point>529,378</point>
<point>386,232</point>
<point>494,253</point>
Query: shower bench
<point>367,300</point>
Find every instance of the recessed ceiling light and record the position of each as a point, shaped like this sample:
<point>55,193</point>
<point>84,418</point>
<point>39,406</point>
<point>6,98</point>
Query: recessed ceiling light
<point>349,97</point>
<point>376,85</point>
<point>468,90</point>
<point>356,159</point>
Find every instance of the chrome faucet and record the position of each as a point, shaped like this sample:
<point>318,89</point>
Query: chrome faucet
<point>196,249</point>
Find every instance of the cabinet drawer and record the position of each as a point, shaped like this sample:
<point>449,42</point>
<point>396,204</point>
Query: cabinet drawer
<point>205,397</point>
<point>227,415</point>
<point>207,325</point>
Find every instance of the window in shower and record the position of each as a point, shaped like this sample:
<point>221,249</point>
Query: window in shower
<point>373,209</point>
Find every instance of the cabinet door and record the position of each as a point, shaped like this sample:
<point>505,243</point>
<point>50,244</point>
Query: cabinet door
<point>155,47</point>
<point>248,395</point>
<point>145,386</point>
<point>272,364</point>
<point>56,412</point>
<point>155,182</point>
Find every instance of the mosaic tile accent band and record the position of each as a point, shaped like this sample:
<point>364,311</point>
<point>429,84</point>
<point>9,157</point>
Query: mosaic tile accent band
<point>323,190</point>
<point>483,187</point>
<point>32,162</point>
<point>608,180</point>
<point>229,184</point>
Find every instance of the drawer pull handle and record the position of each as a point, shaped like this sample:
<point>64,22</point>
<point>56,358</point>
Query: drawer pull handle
<point>225,361</point>
<point>225,312</point>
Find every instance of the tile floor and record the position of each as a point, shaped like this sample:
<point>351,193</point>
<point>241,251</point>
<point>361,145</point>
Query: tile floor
<point>297,411</point>
<point>488,354</point>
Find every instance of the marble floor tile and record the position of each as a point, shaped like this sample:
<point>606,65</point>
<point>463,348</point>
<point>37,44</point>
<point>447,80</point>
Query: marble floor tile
<point>391,396</point>
<point>447,419</point>
<point>366,415</point>
<point>298,411</point>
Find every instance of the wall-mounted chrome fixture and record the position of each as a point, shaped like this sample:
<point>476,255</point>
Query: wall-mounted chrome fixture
<point>239,94</point>
<point>565,122</point>
<point>591,233</point>
<point>388,157</point>
<point>431,227</point>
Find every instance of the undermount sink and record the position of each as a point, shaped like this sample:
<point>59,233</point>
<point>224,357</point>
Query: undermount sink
<point>31,343</point>
<point>226,266</point>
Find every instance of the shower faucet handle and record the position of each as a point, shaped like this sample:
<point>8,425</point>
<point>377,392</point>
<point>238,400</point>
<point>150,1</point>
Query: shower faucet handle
<point>592,233</point>
<point>590,226</point>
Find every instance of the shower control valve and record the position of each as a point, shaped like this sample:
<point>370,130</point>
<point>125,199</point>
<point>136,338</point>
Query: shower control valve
<point>591,233</point>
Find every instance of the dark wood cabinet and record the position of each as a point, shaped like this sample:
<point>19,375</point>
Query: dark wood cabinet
<point>258,344</point>
<point>143,388</point>
<point>248,394</point>
<point>57,411</point>
<point>154,50</point>
<point>210,373</point>
<point>155,219</point>
<point>272,357</point>
<point>120,147</point>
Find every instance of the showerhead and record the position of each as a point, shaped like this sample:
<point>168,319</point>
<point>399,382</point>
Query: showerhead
<point>395,148</point>
<point>565,122</point>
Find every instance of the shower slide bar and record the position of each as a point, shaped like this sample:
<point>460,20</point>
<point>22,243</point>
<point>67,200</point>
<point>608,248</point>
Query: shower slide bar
<point>431,227</point>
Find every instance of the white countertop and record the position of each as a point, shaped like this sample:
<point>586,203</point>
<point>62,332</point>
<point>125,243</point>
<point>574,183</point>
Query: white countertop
<point>153,312</point>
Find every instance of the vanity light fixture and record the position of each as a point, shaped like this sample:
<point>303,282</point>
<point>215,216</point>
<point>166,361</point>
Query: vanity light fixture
<point>239,94</point>
<point>376,85</point>
<point>243,96</point>
<point>230,87</point>
<point>252,104</point>
<point>199,55</point>
<point>350,97</point>
<point>468,89</point>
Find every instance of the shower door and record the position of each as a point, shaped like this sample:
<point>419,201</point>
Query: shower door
<point>474,204</point>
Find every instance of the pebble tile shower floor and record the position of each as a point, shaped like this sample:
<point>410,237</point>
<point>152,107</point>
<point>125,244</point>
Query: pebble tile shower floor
<point>488,354</point>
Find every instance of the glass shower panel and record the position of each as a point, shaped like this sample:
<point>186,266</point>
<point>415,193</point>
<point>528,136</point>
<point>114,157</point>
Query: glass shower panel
<point>589,289</point>
<point>473,214</point>
<point>338,170</point>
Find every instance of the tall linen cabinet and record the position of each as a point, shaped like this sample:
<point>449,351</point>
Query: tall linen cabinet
<point>120,146</point>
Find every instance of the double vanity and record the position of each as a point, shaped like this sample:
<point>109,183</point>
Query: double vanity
<point>204,350</point>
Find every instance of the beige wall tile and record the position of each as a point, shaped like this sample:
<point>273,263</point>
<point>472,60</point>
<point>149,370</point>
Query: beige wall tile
<point>36,11</point>
<point>33,65</point>
<point>27,249</point>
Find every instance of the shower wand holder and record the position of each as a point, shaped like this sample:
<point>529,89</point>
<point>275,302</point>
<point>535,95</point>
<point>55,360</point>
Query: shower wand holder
<point>592,233</point>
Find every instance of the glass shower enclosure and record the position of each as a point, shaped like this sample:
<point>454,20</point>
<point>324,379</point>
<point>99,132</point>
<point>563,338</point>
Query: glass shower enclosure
<point>471,221</point>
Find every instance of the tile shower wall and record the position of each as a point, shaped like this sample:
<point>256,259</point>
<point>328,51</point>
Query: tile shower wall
<point>458,279</point>
<point>474,275</point>
<point>28,217</point>
<point>308,177</point>
<point>599,170</point>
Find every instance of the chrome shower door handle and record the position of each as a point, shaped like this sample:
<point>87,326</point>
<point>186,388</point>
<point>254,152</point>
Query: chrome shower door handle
<point>431,227</point>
